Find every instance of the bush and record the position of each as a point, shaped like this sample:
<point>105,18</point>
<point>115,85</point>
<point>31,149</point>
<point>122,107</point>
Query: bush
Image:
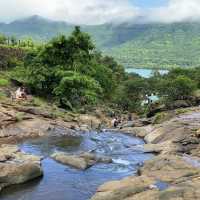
<point>179,88</point>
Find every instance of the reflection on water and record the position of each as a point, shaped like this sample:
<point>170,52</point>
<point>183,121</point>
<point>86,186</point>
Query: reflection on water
<point>65,183</point>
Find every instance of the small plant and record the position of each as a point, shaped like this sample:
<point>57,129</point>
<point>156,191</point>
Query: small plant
<point>161,117</point>
<point>4,82</point>
<point>19,116</point>
<point>2,96</point>
<point>39,102</point>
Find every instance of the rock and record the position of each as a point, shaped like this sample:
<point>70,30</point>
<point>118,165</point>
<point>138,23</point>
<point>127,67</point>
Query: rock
<point>124,189</point>
<point>16,173</point>
<point>182,178</point>
<point>164,147</point>
<point>138,131</point>
<point>91,121</point>
<point>179,134</point>
<point>155,108</point>
<point>180,104</point>
<point>168,168</point>
<point>84,128</point>
<point>17,167</point>
<point>82,161</point>
<point>35,111</point>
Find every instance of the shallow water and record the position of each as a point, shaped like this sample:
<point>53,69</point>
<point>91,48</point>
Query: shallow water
<point>65,183</point>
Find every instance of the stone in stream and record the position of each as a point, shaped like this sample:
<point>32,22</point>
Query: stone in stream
<point>81,161</point>
<point>17,167</point>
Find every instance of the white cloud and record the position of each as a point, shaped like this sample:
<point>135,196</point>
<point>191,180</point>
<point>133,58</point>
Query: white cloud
<point>98,11</point>
<point>176,11</point>
<point>95,11</point>
<point>74,11</point>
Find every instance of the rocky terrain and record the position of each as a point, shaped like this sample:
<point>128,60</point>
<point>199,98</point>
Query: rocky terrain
<point>19,122</point>
<point>174,173</point>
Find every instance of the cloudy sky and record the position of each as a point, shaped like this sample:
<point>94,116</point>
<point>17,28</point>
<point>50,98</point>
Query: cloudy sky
<point>101,11</point>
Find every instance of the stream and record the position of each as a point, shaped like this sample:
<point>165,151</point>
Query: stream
<point>61,182</point>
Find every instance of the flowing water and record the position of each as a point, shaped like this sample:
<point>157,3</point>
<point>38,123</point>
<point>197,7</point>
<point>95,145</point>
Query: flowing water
<point>65,183</point>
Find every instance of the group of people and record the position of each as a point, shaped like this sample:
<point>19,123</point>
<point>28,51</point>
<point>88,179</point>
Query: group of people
<point>21,94</point>
<point>116,121</point>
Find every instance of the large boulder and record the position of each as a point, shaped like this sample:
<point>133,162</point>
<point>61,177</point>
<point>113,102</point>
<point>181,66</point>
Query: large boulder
<point>17,167</point>
<point>81,161</point>
<point>168,168</point>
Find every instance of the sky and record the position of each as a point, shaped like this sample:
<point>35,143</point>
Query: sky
<point>102,11</point>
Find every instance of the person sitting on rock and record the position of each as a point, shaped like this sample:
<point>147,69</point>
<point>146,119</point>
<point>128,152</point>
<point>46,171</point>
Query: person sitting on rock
<point>21,94</point>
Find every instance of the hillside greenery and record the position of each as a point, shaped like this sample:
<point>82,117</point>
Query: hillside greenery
<point>132,45</point>
<point>70,72</point>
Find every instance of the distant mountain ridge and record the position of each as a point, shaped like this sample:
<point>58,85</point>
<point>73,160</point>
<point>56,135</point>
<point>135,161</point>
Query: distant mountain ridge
<point>134,45</point>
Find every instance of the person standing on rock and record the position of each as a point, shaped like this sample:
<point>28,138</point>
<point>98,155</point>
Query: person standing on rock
<point>114,122</point>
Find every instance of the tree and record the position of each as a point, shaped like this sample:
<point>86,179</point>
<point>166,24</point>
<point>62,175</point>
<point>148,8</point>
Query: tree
<point>74,52</point>
<point>13,40</point>
<point>71,72</point>
<point>3,39</point>
<point>130,94</point>
<point>77,89</point>
<point>179,88</point>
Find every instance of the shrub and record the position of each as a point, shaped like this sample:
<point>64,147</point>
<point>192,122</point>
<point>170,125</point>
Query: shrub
<point>179,88</point>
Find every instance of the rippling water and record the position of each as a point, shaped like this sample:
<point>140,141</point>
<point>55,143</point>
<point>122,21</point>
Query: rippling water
<point>65,183</point>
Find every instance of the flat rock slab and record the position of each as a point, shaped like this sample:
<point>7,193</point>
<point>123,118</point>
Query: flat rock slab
<point>182,180</point>
<point>81,161</point>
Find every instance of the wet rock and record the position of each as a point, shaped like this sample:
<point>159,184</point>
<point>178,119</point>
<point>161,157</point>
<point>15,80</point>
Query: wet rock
<point>81,161</point>
<point>17,167</point>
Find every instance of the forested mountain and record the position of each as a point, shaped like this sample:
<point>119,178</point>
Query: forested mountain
<point>134,45</point>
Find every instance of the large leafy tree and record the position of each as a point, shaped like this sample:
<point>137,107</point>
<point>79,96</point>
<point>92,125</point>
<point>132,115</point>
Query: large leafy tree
<point>69,70</point>
<point>179,88</point>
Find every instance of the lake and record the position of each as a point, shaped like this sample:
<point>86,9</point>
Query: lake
<point>146,73</point>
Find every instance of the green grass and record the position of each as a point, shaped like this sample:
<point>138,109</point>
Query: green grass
<point>19,116</point>
<point>4,82</point>
<point>161,117</point>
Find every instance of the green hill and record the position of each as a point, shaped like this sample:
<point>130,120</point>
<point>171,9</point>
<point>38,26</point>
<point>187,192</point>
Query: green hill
<point>160,46</point>
<point>133,45</point>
